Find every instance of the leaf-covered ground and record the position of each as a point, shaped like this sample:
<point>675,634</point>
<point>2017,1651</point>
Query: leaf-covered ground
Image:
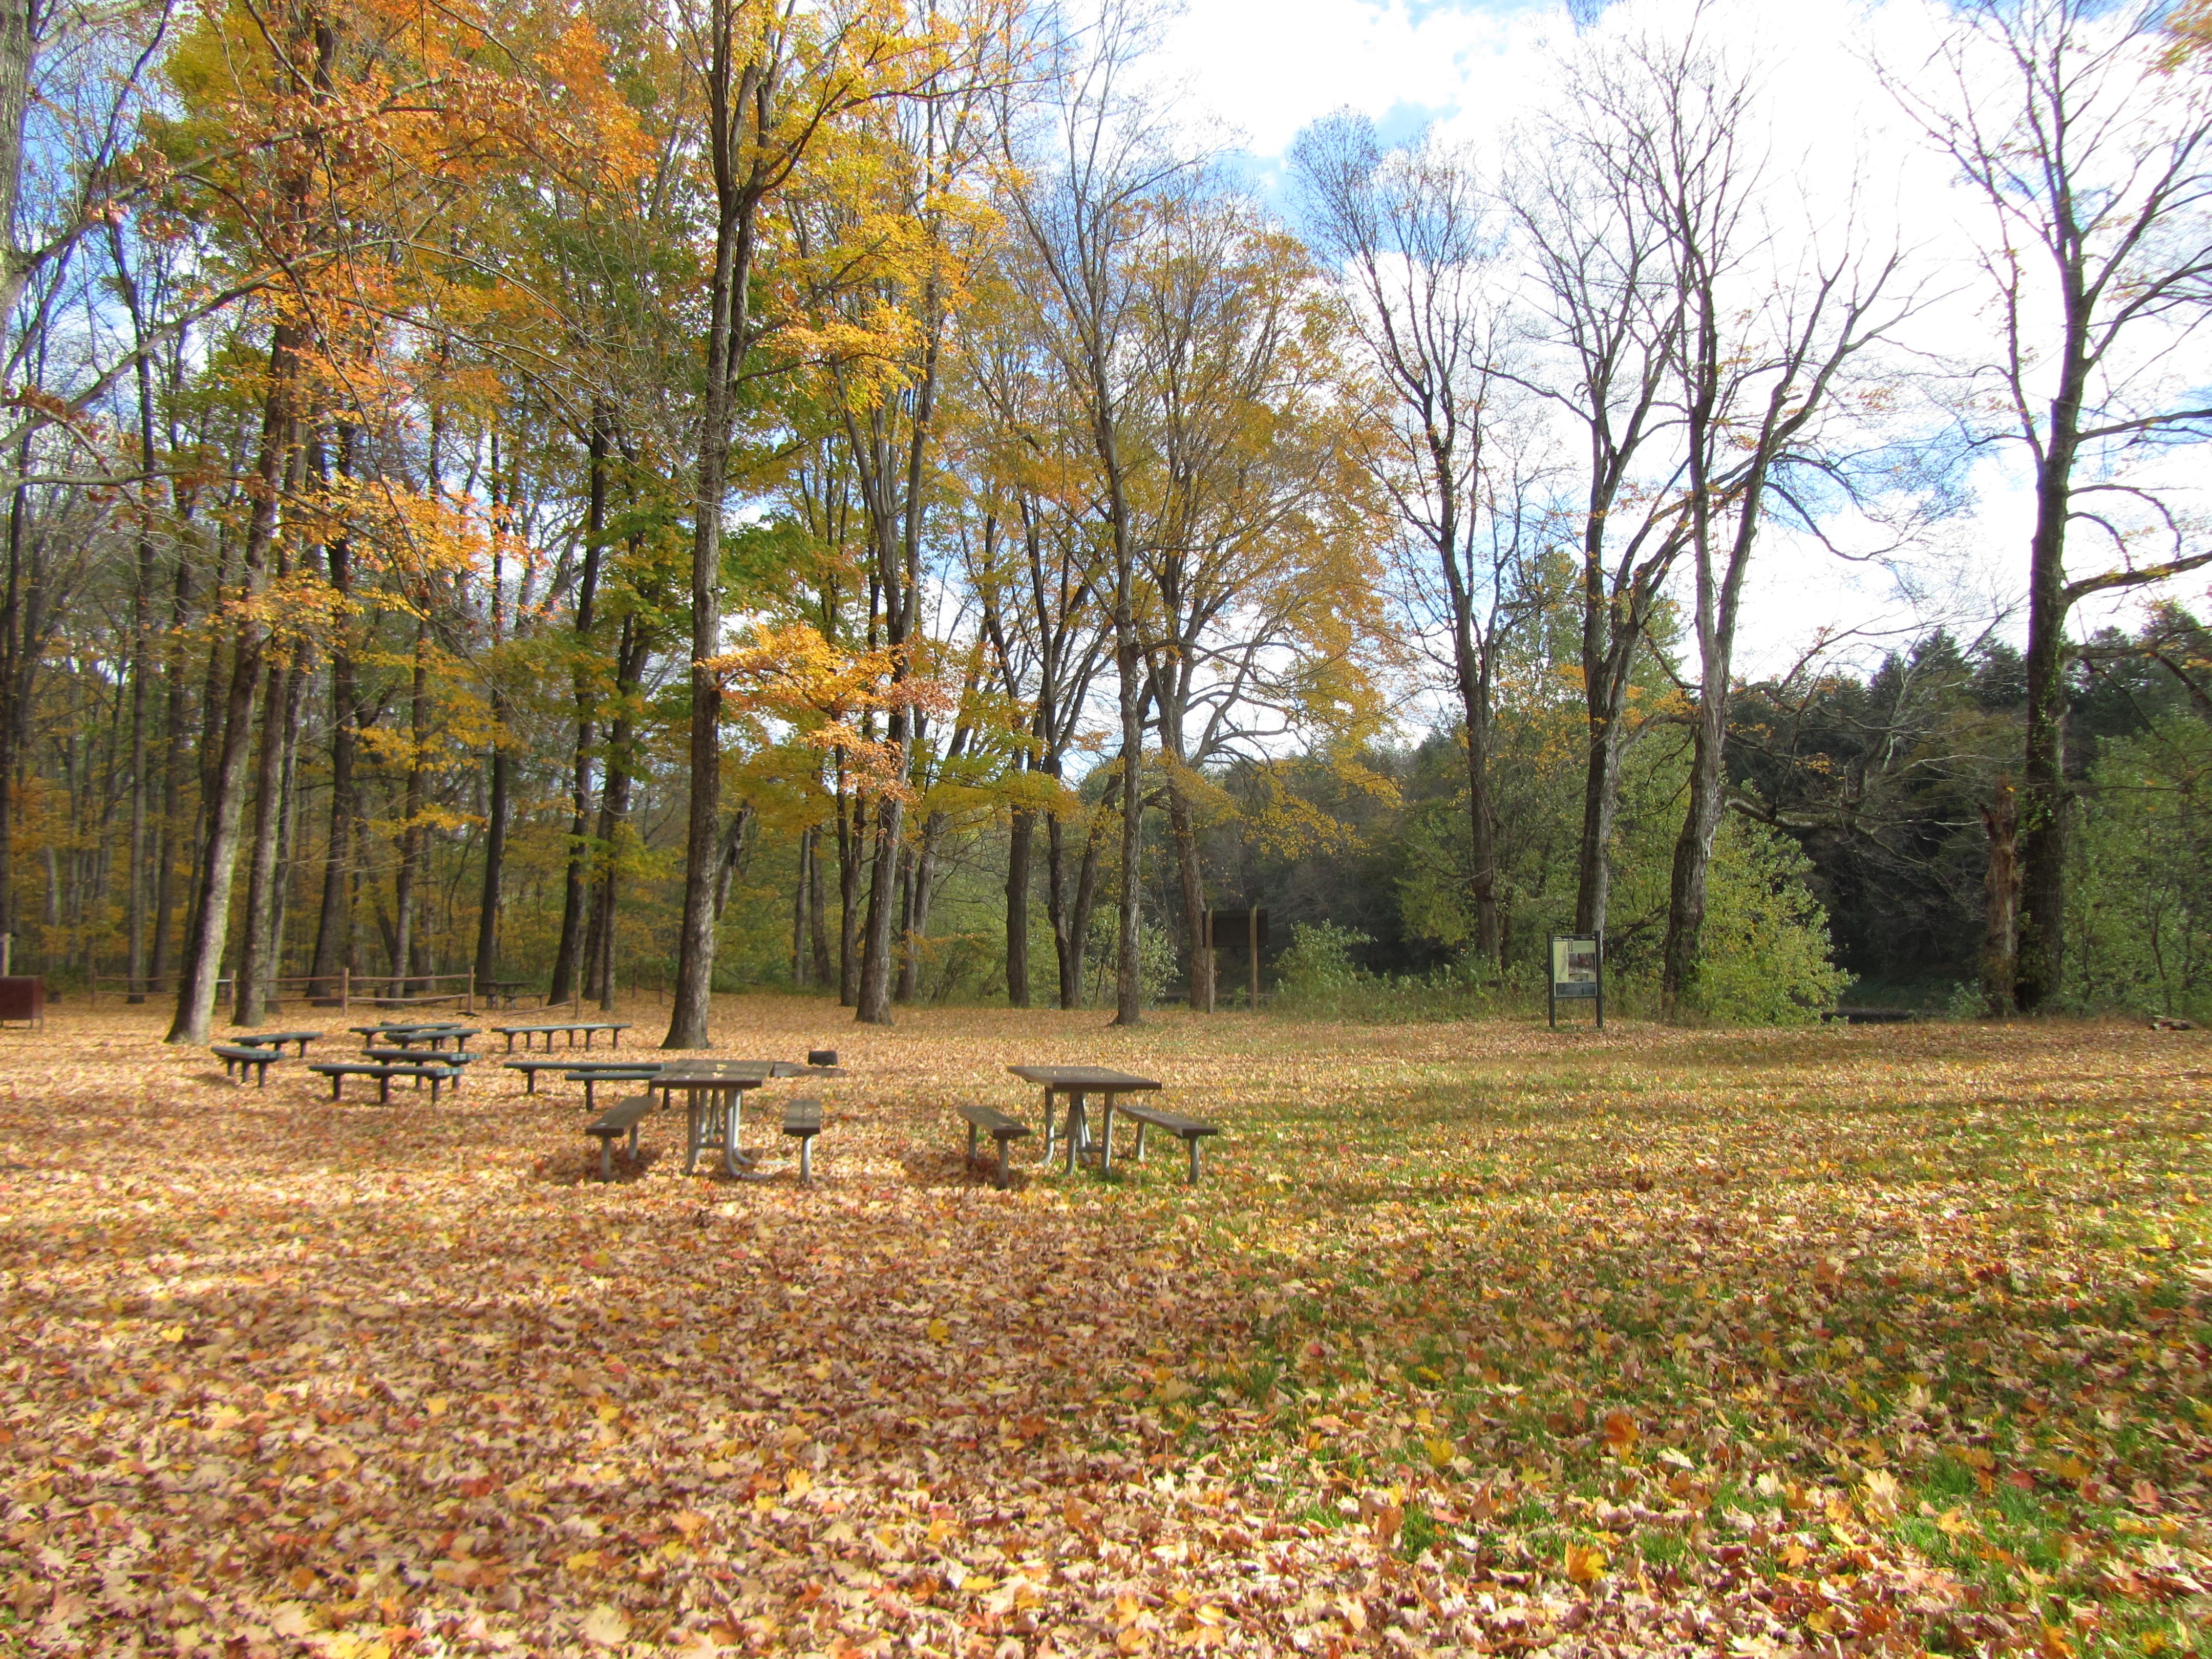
<point>1475,1338</point>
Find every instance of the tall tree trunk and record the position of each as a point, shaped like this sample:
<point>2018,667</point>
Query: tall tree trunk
<point>1128,983</point>
<point>487,912</point>
<point>801,885</point>
<point>287,822</point>
<point>406,897</point>
<point>250,996</point>
<point>12,654</point>
<point>495,867</point>
<point>141,653</point>
<point>851,847</point>
<point>567,959</point>
<point>1717,604</point>
<point>1600,802</point>
<point>817,905</point>
<point>2045,801</point>
<point>1190,881</point>
<point>872,1005</point>
<point>909,948</point>
<point>202,956</point>
<point>1073,902</point>
<point>731,88</point>
<point>630,652</point>
<point>176,721</point>
<point>1020,844</point>
<point>334,917</point>
<point>2001,884</point>
<point>214,709</point>
<point>921,893</point>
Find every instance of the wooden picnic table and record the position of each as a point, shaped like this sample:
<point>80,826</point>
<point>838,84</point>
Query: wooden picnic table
<point>274,1040</point>
<point>714,1091</point>
<point>614,1028</point>
<point>1077,1083</point>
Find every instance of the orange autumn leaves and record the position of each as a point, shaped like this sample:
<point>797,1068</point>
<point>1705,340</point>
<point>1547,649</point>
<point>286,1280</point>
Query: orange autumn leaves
<point>825,694</point>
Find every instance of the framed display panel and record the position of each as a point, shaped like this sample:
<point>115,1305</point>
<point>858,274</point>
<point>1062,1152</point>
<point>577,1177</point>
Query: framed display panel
<point>1577,972</point>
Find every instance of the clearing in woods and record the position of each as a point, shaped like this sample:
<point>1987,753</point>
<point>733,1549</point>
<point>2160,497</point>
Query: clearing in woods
<point>1474,1337</point>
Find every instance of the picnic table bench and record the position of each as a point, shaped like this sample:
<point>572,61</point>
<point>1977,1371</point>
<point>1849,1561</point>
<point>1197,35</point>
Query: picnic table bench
<point>623,1117</point>
<point>340,1070</point>
<point>1076,1082</point>
<point>990,1120</point>
<point>275,1040</point>
<point>614,1028</point>
<point>802,1119</point>
<point>237,1056</point>
<point>1190,1130</point>
<point>569,1067</point>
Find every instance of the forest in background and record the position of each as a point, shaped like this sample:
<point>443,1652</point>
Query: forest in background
<point>849,496</point>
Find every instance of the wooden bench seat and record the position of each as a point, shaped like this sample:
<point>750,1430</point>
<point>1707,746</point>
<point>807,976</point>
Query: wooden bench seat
<point>1190,1130</point>
<point>340,1070</point>
<point>237,1056</point>
<point>623,1117</point>
<point>803,1118</point>
<point>990,1120</point>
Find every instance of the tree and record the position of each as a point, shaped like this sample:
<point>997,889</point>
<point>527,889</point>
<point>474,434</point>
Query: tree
<point>1605,318</point>
<point>1257,545</point>
<point>1405,229</point>
<point>2085,130</point>
<point>777,78</point>
<point>1083,205</point>
<point>1771,322</point>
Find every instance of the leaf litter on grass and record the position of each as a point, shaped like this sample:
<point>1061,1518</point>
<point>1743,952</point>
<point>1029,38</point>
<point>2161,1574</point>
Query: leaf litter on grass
<point>1474,1337</point>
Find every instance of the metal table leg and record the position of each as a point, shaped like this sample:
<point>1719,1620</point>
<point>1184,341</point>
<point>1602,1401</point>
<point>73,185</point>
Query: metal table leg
<point>1078,1129</point>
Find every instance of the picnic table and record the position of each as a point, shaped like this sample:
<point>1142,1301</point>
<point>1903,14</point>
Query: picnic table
<point>275,1040</point>
<point>614,1028</point>
<point>714,1091</point>
<point>1077,1083</point>
<point>501,992</point>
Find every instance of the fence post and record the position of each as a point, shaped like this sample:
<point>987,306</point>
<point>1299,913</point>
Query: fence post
<point>345,992</point>
<point>469,996</point>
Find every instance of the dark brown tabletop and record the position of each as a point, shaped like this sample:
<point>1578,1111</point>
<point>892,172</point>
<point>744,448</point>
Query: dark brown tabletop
<point>714,1073</point>
<point>1089,1079</point>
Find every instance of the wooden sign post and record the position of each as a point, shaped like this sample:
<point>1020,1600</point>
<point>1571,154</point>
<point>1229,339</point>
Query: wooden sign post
<point>1577,972</point>
<point>1248,928</point>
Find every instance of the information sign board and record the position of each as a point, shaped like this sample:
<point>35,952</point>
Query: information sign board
<point>1577,972</point>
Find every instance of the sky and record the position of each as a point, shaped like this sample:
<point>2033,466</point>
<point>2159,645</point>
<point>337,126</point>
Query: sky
<point>1251,73</point>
